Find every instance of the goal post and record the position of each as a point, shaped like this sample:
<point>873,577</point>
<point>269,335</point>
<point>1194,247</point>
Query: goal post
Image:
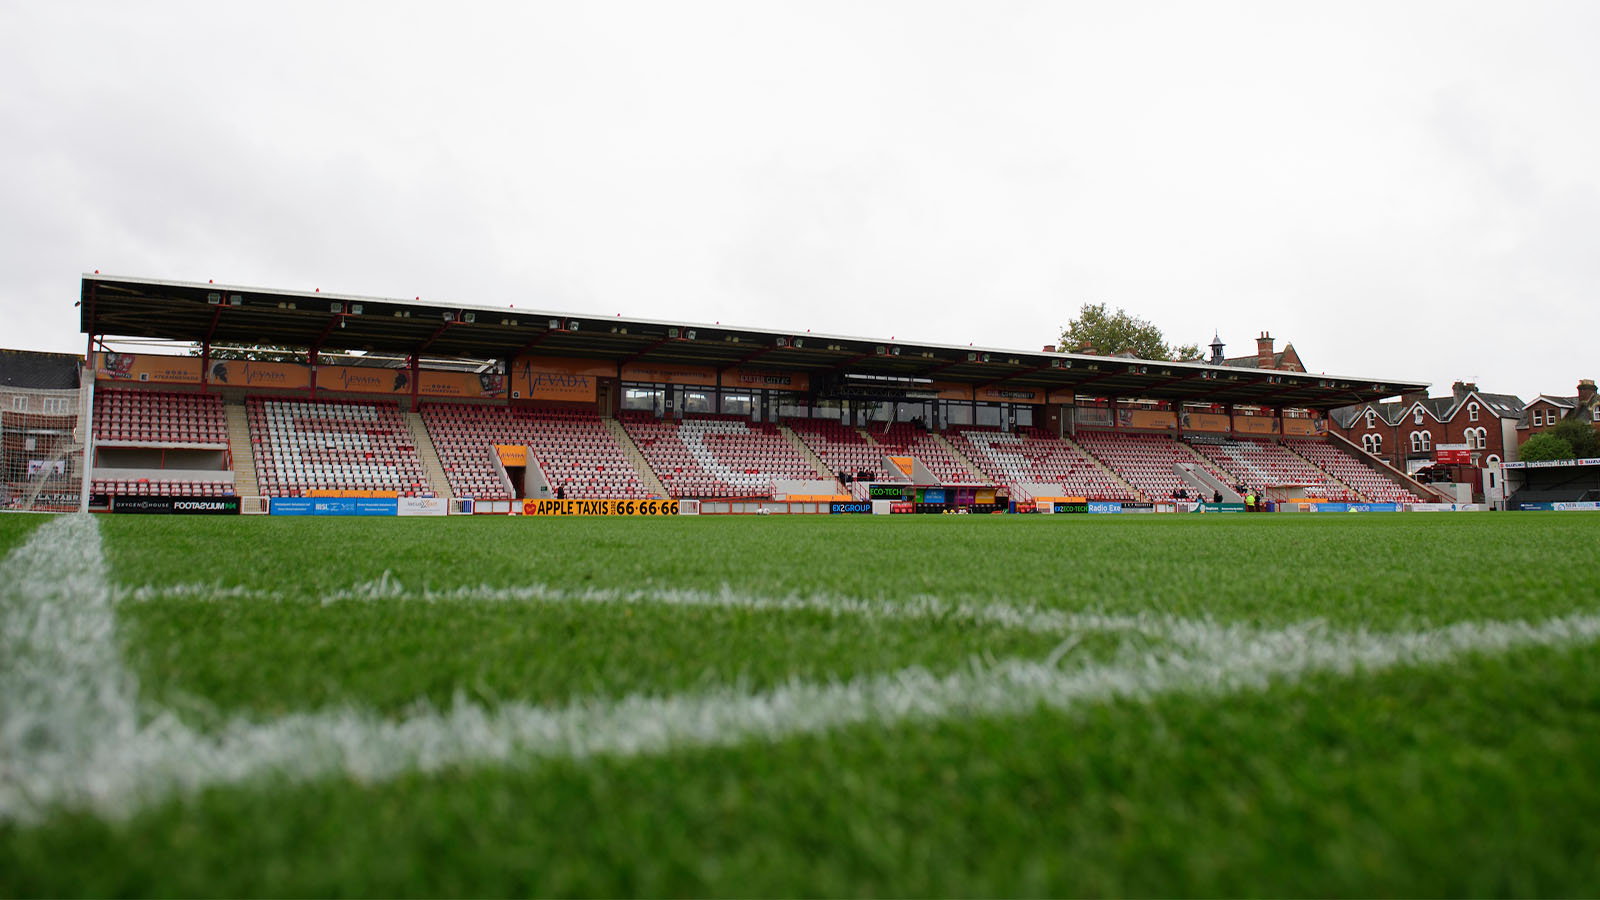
<point>44,434</point>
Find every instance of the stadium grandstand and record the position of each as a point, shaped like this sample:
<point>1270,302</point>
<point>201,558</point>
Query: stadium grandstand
<point>201,390</point>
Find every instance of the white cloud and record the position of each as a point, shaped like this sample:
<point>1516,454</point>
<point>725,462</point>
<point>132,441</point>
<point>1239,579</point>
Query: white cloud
<point>1401,190</point>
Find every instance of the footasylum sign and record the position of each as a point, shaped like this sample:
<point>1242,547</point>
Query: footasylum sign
<point>177,506</point>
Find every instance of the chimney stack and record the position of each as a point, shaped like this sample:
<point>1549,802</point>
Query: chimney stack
<point>1264,351</point>
<point>1585,391</point>
<point>1461,389</point>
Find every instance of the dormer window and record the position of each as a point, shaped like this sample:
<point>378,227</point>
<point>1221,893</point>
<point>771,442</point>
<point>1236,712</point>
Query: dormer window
<point>1370,414</point>
<point>1472,412</point>
<point>1416,418</point>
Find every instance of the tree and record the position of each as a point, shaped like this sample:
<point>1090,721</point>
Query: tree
<point>1579,435</point>
<point>1543,446</point>
<point>1119,332</point>
<point>263,353</point>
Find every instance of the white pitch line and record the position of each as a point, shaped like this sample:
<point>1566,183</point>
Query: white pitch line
<point>923,608</point>
<point>117,773</point>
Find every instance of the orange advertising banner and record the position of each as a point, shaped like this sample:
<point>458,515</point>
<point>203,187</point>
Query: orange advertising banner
<point>363,379</point>
<point>903,463</point>
<point>147,367</point>
<point>770,379</point>
<point>1304,427</point>
<point>512,454</point>
<point>1193,421</point>
<point>669,373</point>
<point>484,385</point>
<point>1255,424</point>
<point>558,378</point>
<point>997,394</point>
<point>1146,418</point>
<point>244,373</point>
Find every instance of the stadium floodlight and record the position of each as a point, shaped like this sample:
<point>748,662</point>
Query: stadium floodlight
<point>214,299</point>
<point>555,324</point>
<point>235,300</point>
<point>467,317</point>
<point>572,324</point>
<point>672,333</point>
<point>783,342</point>
<point>449,316</point>
<point>799,342</point>
<point>688,335</point>
<point>894,351</point>
<point>336,308</point>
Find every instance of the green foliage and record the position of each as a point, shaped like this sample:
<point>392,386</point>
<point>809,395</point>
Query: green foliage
<point>263,353</point>
<point>1579,435</point>
<point>1545,446</point>
<point>1120,332</point>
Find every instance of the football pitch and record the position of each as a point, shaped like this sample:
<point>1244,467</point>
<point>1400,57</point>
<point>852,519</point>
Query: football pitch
<point>1377,704</point>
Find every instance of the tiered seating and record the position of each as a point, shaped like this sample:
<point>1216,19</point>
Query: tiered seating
<point>159,417</point>
<point>1031,456</point>
<point>716,456</point>
<point>1371,484</point>
<point>1261,464</point>
<point>842,447</point>
<point>1146,461</point>
<point>572,447</point>
<point>333,445</point>
<point>905,439</point>
<point>161,487</point>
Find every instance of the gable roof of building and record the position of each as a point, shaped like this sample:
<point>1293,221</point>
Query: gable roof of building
<point>1253,361</point>
<point>39,371</point>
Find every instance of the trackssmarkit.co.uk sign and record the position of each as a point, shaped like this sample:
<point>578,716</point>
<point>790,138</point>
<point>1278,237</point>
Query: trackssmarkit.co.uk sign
<point>599,507</point>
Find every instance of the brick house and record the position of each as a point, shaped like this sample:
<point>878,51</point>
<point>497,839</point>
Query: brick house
<point>1407,433</point>
<point>1544,411</point>
<point>1286,360</point>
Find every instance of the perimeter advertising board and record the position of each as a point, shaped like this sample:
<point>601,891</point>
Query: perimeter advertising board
<point>769,379</point>
<point>482,385</point>
<point>147,367</point>
<point>1198,421</point>
<point>335,506</point>
<point>599,507</point>
<point>364,380</point>
<point>1147,419</point>
<point>669,373</point>
<point>557,378</point>
<point>248,373</point>
<point>1243,424</point>
<point>177,506</point>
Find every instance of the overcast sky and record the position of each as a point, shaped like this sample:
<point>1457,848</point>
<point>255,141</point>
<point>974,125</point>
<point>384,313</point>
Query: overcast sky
<point>1405,190</point>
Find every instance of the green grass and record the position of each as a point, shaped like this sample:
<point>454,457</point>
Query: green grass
<point>1474,777</point>
<point>15,528</point>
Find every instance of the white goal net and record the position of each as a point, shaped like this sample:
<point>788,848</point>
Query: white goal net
<point>42,438</point>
